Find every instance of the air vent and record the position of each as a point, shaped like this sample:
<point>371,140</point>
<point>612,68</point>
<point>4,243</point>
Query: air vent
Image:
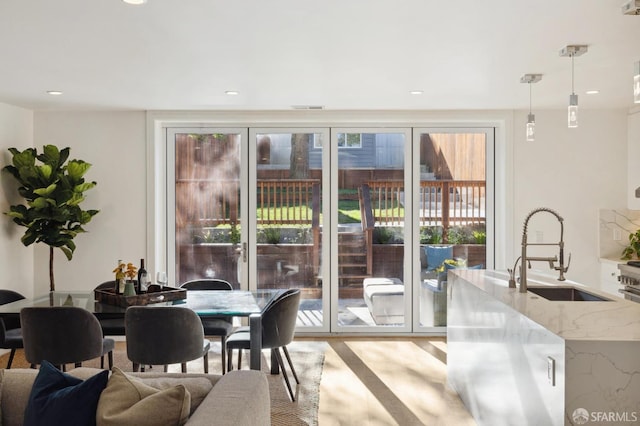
<point>307,107</point>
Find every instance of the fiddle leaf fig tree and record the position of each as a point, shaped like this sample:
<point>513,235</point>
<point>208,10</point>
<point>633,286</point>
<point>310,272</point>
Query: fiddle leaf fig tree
<point>53,190</point>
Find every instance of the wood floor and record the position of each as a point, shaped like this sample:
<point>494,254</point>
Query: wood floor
<point>387,381</point>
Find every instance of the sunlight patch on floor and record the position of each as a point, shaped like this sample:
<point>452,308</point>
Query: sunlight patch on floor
<point>397,382</point>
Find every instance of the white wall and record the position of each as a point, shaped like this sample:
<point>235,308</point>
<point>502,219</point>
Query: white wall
<point>16,260</point>
<point>633,159</point>
<point>575,172</point>
<point>114,143</point>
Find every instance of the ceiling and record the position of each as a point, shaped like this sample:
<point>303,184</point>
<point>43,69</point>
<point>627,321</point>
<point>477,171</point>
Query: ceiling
<point>356,54</point>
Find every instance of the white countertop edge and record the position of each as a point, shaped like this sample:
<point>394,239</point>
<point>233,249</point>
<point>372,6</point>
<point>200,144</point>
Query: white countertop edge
<point>614,320</point>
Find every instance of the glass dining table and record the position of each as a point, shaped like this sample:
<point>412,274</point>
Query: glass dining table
<point>235,303</point>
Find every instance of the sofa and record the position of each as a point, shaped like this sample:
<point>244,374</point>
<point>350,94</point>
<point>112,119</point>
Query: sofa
<point>238,398</point>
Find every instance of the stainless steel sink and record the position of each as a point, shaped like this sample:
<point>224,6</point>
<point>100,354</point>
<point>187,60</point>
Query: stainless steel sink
<point>569,294</point>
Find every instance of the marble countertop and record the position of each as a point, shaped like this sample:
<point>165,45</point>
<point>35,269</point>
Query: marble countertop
<point>615,320</point>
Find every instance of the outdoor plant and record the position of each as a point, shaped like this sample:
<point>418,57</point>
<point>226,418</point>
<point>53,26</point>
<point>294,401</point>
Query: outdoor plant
<point>459,235</point>
<point>53,190</point>
<point>205,236</point>
<point>382,235</point>
<point>633,249</point>
<point>480,237</point>
<point>431,235</point>
<point>272,235</point>
<point>234,234</point>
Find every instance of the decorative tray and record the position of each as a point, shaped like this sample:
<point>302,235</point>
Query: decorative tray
<point>165,294</point>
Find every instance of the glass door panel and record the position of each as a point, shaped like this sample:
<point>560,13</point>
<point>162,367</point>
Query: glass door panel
<point>451,212</point>
<point>369,215</point>
<point>207,193</point>
<point>286,216</point>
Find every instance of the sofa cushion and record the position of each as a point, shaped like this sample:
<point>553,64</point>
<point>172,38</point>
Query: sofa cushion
<point>58,398</point>
<point>198,385</point>
<point>126,400</point>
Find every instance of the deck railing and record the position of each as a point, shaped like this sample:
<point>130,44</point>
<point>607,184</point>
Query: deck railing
<point>440,202</point>
<point>297,202</point>
<point>279,202</point>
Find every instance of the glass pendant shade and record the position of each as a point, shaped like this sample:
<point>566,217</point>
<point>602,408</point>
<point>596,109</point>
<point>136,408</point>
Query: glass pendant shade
<point>531,128</point>
<point>572,111</point>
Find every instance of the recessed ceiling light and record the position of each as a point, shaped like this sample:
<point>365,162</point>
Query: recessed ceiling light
<point>592,92</point>
<point>232,92</point>
<point>135,1</point>
<point>416,92</point>
<point>54,92</point>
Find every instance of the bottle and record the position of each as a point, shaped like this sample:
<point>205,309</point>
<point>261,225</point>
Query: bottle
<point>142,278</point>
<point>119,281</point>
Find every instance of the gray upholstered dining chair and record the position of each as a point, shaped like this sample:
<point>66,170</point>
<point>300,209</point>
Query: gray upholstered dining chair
<point>63,335</point>
<point>214,326</point>
<point>111,326</point>
<point>10,331</point>
<point>162,335</point>
<point>278,328</point>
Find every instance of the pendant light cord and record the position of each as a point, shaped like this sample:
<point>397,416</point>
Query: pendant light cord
<point>529,97</point>
<point>572,75</point>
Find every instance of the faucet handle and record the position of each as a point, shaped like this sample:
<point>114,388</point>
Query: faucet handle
<point>563,269</point>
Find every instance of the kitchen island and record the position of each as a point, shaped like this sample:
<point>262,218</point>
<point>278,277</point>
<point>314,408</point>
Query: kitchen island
<point>519,359</point>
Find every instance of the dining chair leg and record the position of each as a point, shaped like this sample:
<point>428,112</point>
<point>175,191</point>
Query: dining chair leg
<point>293,370</point>
<point>184,367</point>
<point>102,362</point>
<point>110,359</point>
<point>165,368</point>
<point>229,360</point>
<point>239,359</point>
<point>206,363</point>
<point>223,344</point>
<point>284,372</point>
<point>136,367</point>
<point>11,355</point>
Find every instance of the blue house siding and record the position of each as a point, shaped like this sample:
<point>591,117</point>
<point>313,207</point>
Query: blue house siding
<point>377,151</point>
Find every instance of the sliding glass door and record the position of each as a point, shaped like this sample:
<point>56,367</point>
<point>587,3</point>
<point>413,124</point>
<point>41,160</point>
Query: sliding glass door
<point>371,229</point>
<point>286,217</point>
<point>365,221</point>
<point>205,227</point>
<point>453,210</point>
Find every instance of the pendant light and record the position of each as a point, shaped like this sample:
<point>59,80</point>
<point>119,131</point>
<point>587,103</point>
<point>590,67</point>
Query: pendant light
<point>636,83</point>
<point>572,51</point>
<point>531,118</point>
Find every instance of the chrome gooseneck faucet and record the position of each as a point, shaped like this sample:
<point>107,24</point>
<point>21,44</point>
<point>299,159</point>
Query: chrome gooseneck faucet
<point>525,261</point>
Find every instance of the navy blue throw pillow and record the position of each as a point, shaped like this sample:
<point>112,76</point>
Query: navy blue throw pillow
<point>58,398</point>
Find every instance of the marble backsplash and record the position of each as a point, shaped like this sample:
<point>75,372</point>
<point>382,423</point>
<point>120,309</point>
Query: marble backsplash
<point>615,227</point>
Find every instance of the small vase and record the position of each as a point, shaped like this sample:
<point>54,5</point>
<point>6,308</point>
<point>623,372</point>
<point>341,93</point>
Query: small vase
<point>129,289</point>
